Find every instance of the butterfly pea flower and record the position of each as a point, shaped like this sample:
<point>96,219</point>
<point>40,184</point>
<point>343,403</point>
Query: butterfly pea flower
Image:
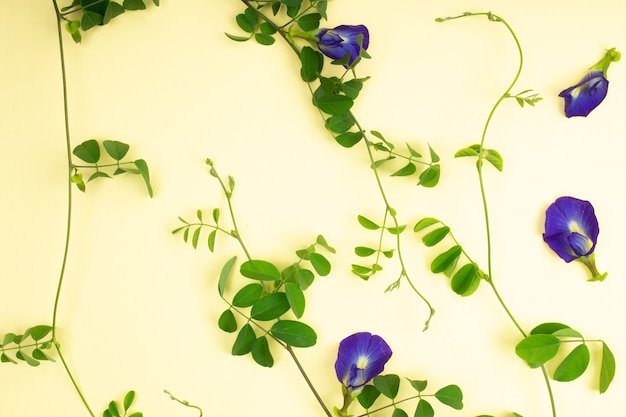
<point>360,358</point>
<point>571,230</point>
<point>590,91</point>
<point>342,41</point>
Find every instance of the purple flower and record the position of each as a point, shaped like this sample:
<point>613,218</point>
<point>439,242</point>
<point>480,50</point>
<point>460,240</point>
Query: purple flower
<point>588,93</point>
<point>343,41</point>
<point>361,357</point>
<point>571,230</point>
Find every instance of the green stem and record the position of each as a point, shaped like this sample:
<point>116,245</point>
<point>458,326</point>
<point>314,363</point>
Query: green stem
<point>483,193</point>
<point>59,18</point>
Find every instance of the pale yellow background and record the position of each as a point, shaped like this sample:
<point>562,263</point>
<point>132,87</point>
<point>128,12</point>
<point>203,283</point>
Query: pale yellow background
<point>139,307</point>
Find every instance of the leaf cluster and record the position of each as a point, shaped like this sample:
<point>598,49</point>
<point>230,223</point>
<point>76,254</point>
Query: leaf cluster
<point>427,178</point>
<point>389,385</point>
<point>301,15</point>
<point>28,347</point>
<point>114,410</point>
<point>272,294</point>
<point>545,341</point>
<point>490,155</point>
<point>91,13</point>
<point>90,152</point>
<point>195,229</point>
<point>465,279</point>
<point>366,272</point>
<point>526,97</point>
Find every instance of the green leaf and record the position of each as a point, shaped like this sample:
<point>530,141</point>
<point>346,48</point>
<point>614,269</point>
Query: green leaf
<point>367,223</point>
<point>433,155</point>
<point>260,270</point>
<point>248,295</point>
<point>537,349</point>
<point>368,396</point>
<point>436,236</point>
<point>305,278</point>
<point>113,10</point>
<point>430,176</point>
<point>321,240</point>
<point>224,274</point>
<point>418,385</point>
<point>340,123</point>
<point>294,333</point>
<point>8,338</point>
<point>264,39</point>
<point>88,151</point>
<point>98,174</point>
<point>548,328</point>
<point>352,88</point>
<point>451,396</point>
<point>227,321</point>
<point>261,352</point>
<point>495,159</point>
<point>195,237</point>
<point>312,63</point>
<point>90,19</point>
<point>424,223</point>
<point>388,385</point>
<point>398,412</point>
<point>574,364</point>
<point>270,307</point>
<point>116,150</point>
<point>408,169</point>
<point>39,332</point>
<point>267,28</point>
<point>237,38</point>
<point>5,359</point>
<point>334,104</point>
<point>607,368</point>
<point>363,251</point>
<point>211,240</point>
<point>396,230</point>
<point>413,152</point>
<point>466,280</point>
<point>128,399</point>
<point>469,151</point>
<point>296,299</point>
<point>568,332</point>
<point>320,263</point>
<point>444,260</point>
<point>309,22</point>
<point>244,341</point>
<point>142,166</point>
<point>349,139</point>
<point>424,409</point>
<point>113,409</point>
<point>134,5</point>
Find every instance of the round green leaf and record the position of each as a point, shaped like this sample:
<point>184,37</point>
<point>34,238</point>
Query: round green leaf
<point>537,349</point>
<point>444,260</point>
<point>349,139</point>
<point>340,123</point>
<point>243,343</point>
<point>117,150</point>
<point>388,385</point>
<point>363,251</point>
<point>334,104</point>
<point>261,352</point>
<point>270,307</point>
<point>398,412</point>
<point>294,333</point>
<point>227,321</point>
<point>368,396</point>
<point>424,409</point>
<point>260,270</point>
<point>309,22</point>
<point>88,151</point>
<point>264,39</point>
<point>312,63</point>
<point>436,236</point>
<point>248,295</point>
<point>320,263</point>
<point>466,280</point>
<point>574,364</point>
<point>451,395</point>
<point>430,176</point>
<point>296,299</point>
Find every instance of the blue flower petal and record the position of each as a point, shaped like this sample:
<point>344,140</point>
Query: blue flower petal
<point>582,98</point>
<point>361,357</point>
<point>571,228</point>
<point>338,42</point>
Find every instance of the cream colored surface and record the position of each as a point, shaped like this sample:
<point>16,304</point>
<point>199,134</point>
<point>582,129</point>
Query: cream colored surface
<point>139,307</point>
